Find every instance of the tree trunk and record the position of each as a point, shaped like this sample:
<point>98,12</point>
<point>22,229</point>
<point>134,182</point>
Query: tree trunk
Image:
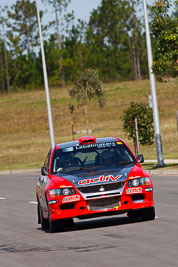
<point>2,76</point>
<point>81,59</point>
<point>7,69</point>
<point>134,50</point>
<point>28,39</point>
<point>5,57</point>
<point>138,65</point>
<point>133,54</point>
<point>135,58</point>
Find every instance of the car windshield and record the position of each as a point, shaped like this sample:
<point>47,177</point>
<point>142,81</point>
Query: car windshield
<point>90,156</point>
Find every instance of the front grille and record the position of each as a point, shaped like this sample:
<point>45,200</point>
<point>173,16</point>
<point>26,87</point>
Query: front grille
<point>101,188</point>
<point>104,203</point>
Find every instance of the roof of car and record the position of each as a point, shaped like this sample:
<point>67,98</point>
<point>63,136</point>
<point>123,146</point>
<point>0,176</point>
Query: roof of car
<point>98,140</point>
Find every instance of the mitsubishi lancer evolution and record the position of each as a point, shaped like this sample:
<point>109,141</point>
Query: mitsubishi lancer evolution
<point>89,178</point>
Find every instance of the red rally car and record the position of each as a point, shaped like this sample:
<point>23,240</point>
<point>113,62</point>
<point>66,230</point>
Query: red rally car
<point>92,177</point>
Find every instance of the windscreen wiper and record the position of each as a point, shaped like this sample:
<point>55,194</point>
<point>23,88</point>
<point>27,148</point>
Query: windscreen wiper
<point>78,169</point>
<point>123,163</point>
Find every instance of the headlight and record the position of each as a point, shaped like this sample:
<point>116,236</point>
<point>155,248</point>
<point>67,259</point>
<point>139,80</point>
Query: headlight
<point>139,182</point>
<point>61,192</point>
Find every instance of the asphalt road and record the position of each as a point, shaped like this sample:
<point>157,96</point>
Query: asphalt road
<point>107,241</point>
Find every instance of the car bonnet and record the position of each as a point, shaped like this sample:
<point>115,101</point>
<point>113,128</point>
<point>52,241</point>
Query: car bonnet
<point>97,175</point>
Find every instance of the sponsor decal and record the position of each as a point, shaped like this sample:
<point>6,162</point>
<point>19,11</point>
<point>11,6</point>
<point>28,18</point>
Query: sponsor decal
<point>148,189</point>
<point>65,186</point>
<point>71,198</point>
<point>100,179</point>
<point>101,145</point>
<point>119,143</point>
<point>116,207</point>
<point>138,201</point>
<point>134,190</point>
<point>133,177</point>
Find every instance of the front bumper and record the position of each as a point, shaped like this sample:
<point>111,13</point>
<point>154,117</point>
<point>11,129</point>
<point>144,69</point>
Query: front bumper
<point>103,206</point>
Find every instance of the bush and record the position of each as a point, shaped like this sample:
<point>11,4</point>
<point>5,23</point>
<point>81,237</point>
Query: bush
<point>144,116</point>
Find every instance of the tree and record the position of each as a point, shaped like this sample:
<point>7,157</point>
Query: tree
<point>75,51</point>
<point>144,116</point>
<point>88,86</point>
<point>165,39</point>
<point>1,67</point>
<point>58,6</point>
<point>112,38</point>
<point>3,37</point>
<point>134,27</point>
<point>24,23</point>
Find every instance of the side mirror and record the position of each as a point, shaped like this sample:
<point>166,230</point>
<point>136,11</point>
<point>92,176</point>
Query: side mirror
<point>140,158</point>
<point>44,171</point>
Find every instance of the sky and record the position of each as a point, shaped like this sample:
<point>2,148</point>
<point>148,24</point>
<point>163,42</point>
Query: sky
<point>82,8</point>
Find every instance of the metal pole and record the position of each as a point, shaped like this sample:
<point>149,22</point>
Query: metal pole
<point>159,150</point>
<point>137,137</point>
<point>50,122</point>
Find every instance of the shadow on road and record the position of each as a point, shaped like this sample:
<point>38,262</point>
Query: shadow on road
<point>98,223</point>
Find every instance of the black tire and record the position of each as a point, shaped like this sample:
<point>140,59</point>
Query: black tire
<point>148,214</point>
<point>44,222</point>
<point>55,226</point>
<point>38,213</point>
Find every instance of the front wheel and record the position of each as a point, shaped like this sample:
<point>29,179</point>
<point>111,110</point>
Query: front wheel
<point>148,214</point>
<point>55,226</point>
<point>44,222</point>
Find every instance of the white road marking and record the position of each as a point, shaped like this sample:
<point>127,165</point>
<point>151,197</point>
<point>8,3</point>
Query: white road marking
<point>156,217</point>
<point>33,202</point>
<point>1,198</point>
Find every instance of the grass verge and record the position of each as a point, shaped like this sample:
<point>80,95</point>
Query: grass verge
<point>24,130</point>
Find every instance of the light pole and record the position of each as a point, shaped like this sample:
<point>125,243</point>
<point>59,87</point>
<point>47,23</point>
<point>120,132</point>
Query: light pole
<point>159,150</point>
<point>50,122</point>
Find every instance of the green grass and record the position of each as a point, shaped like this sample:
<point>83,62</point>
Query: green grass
<point>24,130</point>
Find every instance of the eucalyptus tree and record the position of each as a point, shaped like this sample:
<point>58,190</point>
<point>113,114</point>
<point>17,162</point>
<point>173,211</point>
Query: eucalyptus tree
<point>22,16</point>
<point>112,32</point>
<point>75,50</point>
<point>23,38</point>
<point>135,28</point>
<point>164,31</point>
<point>3,21</point>
<point>2,88</point>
